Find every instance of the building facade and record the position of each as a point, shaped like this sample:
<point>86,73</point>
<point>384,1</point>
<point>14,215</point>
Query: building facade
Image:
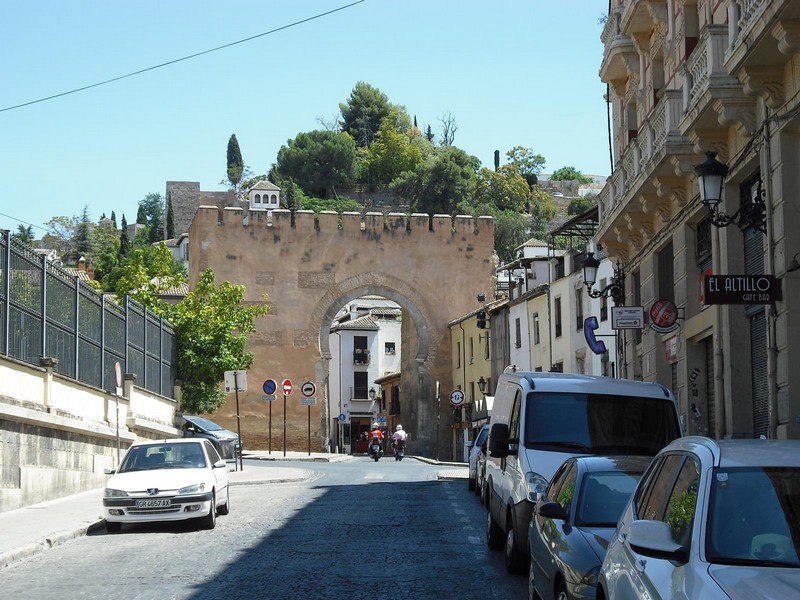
<point>686,78</point>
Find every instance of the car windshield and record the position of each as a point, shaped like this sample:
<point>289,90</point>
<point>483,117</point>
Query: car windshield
<point>163,456</point>
<point>754,516</point>
<point>204,423</point>
<point>599,423</point>
<point>603,497</point>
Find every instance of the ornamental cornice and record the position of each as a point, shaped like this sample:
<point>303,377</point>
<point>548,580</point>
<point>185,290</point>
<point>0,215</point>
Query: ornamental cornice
<point>673,188</point>
<point>656,205</point>
<point>739,112</point>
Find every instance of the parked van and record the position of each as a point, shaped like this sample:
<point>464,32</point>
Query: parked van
<point>541,419</point>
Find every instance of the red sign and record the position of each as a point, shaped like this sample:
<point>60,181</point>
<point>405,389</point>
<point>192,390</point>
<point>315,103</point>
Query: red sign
<point>664,316</point>
<point>287,387</point>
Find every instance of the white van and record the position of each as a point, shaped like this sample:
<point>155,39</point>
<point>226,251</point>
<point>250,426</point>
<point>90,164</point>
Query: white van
<point>541,419</point>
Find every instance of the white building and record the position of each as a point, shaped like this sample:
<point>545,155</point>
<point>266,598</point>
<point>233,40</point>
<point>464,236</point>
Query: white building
<point>365,346</point>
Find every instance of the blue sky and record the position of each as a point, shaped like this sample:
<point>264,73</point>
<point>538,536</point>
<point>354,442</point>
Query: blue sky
<point>511,73</point>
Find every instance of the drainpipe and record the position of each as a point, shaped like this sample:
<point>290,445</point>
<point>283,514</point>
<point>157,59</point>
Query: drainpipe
<point>772,316</point>
<point>719,355</point>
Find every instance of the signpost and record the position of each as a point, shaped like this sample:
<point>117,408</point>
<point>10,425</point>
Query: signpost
<point>741,289</point>
<point>308,389</point>
<point>269,388</point>
<point>456,397</point>
<point>118,392</point>
<point>287,389</point>
<point>236,381</point>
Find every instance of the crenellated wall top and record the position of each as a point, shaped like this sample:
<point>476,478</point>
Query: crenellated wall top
<point>371,223</point>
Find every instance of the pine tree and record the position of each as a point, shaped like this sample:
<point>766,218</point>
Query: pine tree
<point>114,219</point>
<point>83,238</point>
<point>141,215</point>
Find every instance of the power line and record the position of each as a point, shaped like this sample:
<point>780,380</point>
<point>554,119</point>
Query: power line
<point>177,60</point>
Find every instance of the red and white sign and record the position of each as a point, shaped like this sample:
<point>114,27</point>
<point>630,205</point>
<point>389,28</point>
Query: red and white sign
<point>287,387</point>
<point>308,389</point>
<point>663,316</point>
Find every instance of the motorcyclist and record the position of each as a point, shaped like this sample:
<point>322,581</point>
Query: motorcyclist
<point>375,434</point>
<point>399,438</point>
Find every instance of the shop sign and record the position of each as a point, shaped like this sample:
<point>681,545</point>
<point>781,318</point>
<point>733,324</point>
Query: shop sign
<point>741,289</point>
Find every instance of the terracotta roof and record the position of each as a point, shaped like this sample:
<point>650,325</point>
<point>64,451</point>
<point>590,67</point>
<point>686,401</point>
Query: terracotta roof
<point>364,323</point>
<point>265,184</point>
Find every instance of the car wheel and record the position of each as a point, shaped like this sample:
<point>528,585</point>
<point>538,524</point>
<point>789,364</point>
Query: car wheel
<point>494,535</point>
<point>484,493</point>
<point>561,591</point>
<point>226,508</point>
<point>210,520</point>
<point>113,527</point>
<point>515,561</point>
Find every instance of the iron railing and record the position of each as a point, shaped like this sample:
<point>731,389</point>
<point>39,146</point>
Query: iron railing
<point>46,312</point>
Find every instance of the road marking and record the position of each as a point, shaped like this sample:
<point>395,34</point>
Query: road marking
<point>374,476</point>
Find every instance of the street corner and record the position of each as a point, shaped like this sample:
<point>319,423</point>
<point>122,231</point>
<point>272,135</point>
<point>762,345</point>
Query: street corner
<point>462,473</point>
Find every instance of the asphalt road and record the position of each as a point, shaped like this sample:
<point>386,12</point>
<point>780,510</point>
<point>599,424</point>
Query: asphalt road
<point>356,529</point>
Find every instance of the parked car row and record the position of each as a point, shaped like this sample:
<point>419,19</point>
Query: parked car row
<point>591,489</point>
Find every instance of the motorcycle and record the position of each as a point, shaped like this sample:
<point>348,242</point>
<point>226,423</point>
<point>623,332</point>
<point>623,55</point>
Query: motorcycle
<point>375,449</point>
<point>399,449</point>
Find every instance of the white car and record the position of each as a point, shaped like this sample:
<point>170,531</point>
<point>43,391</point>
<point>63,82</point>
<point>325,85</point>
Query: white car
<point>716,520</point>
<point>477,459</point>
<point>167,480</point>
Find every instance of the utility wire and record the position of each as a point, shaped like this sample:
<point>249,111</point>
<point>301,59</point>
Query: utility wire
<point>177,60</point>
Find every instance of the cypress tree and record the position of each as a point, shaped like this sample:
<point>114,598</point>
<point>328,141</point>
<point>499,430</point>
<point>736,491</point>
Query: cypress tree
<point>235,162</point>
<point>124,242</point>
<point>170,218</point>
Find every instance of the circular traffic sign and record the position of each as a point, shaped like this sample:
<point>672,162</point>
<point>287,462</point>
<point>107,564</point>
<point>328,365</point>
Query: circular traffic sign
<point>287,387</point>
<point>118,374</point>
<point>456,397</point>
<point>269,387</point>
<point>308,389</point>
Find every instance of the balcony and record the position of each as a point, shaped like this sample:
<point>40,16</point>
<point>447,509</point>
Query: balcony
<point>360,357</point>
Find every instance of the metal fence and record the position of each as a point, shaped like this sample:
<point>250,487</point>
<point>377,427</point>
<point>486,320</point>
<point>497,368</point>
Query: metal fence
<point>48,312</point>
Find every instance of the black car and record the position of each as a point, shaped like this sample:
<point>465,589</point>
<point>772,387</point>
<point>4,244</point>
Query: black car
<point>226,442</point>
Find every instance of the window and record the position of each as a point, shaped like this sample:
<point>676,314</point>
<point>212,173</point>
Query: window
<point>603,302</point>
<point>486,346</point>
<point>682,502</point>
<point>651,498</point>
<point>389,348</point>
<point>636,280</point>
<point>458,355</point>
<point>558,480</point>
<point>360,387</point>
<point>579,293</point>
<point>536,335</point>
<point>471,350</point>
<point>557,316</point>
<point>517,334</point>
<point>666,274</point>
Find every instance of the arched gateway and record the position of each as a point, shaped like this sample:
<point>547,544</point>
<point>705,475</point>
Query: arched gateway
<point>309,267</point>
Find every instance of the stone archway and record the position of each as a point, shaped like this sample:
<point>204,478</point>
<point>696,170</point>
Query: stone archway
<point>413,366</point>
<point>308,266</point>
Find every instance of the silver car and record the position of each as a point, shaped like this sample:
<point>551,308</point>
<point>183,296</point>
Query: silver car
<point>477,459</point>
<point>713,520</point>
<point>574,521</point>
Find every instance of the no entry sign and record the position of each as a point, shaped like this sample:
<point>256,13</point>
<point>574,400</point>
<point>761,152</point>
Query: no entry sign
<point>287,387</point>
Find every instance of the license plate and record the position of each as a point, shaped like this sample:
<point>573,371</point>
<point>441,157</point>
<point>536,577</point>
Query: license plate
<point>153,503</point>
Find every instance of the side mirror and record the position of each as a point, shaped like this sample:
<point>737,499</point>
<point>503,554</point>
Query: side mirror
<point>108,471</point>
<point>654,539</point>
<point>469,444</point>
<point>552,510</point>
<point>498,440</point>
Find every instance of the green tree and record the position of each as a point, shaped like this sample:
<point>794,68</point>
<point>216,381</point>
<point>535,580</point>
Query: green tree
<point>124,241</point>
<point>393,150</point>
<point>211,327</point>
<point>114,219</point>
<point>82,240</point>
<point>580,204</point>
<point>363,113</point>
<point>543,209</point>
<point>569,174</point>
<point>505,189</point>
<point>170,218</point>
<point>105,241</point>
<point>527,163</point>
<point>235,162</point>
<point>318,161</point>
<point>152,208</point>
<point>24,234</point>
<point>429,134</point>
<point>440,183</point>
<point>60,234</point>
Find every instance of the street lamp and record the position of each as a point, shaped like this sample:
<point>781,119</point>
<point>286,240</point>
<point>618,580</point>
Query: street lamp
<point>711,180</point>
<point>615,289</point>
<point>482,385</point>
<point>372,393</point>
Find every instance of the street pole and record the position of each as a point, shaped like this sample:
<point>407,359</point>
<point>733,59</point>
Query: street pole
<point>438,418</point>
<point>240,465</point>
<point>309,430</point>
<point>284,424</point>
<point>270,427</point>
